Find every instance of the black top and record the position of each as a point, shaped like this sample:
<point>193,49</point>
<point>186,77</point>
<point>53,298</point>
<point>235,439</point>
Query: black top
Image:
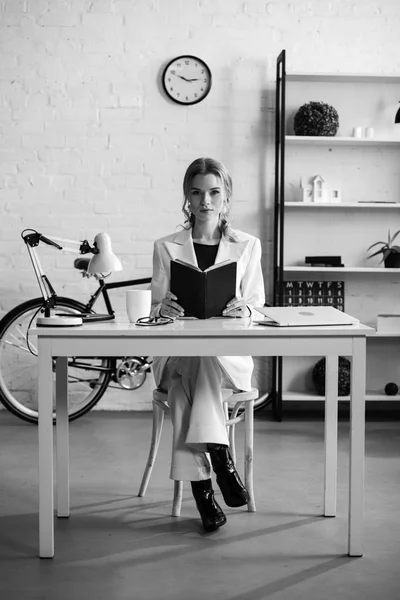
<point>205,255</point>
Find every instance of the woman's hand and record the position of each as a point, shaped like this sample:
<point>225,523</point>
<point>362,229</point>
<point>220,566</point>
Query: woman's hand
<point>170,308</point>
<point>236,308</point>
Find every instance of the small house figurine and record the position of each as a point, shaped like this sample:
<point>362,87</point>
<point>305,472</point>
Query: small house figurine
<point>319,191</point>
<point>306,192</point>
<point>334,196</point>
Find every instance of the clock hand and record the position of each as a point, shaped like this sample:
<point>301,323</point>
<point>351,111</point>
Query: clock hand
<point>181,77</point>
<point>185,79</point>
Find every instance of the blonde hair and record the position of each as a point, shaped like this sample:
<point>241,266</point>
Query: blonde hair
<point>206,166</point>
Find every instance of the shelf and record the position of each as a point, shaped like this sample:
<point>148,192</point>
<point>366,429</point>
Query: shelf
<point>314,397</point>
<point>301,269</point>
<point>339,141</point>
<point>343,77</point>
<point>385,334</point>
<point>368,166</point>
<point>380,205</point>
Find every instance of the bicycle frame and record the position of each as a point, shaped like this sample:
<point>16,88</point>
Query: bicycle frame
<point>49,294</point>
<point>128,372</point>
<point>104,287</point>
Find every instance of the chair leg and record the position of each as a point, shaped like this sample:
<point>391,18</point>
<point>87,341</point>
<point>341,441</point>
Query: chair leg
<point>232,442</point>
<point>158,420</point>
<point>248,453</point>
<point>231,433</point>
<point>177,501</point>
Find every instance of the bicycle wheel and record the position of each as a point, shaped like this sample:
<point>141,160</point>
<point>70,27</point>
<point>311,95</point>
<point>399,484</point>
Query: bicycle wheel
<point>88,378</point>
<point>263,401</point>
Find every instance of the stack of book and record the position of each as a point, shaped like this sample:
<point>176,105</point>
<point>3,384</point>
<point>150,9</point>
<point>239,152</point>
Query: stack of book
<point>324,261</point>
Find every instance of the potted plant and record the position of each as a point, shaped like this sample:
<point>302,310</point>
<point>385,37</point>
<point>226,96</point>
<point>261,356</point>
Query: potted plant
<point>316,118</point>
<point>390,252</point>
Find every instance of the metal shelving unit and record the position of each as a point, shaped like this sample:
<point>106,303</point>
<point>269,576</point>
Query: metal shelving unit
<point>283,271</point>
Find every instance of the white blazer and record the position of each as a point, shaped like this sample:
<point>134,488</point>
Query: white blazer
<point>249,285</point>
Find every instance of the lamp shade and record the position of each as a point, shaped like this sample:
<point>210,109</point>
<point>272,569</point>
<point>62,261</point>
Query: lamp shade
<point>104,260</point>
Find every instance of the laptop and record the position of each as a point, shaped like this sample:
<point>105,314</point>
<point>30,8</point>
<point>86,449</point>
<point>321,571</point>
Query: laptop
<point>304,316</point>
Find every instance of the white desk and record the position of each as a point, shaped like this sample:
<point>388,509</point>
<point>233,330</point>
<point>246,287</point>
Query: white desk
<point>214,337</point>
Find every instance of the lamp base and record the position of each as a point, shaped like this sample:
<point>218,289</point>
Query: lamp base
<point>64,321</point>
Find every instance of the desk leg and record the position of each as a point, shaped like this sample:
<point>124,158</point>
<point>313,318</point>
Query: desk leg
<point>331,433</point>
<point>62,438</point>
<point>357,448</point>
<point>45,430</point>
<point>249,453</point>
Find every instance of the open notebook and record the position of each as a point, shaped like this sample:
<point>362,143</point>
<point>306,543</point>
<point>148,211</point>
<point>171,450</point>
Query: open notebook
<point>304,316</point>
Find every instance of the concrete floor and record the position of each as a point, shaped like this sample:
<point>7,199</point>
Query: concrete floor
<point>117,546</point>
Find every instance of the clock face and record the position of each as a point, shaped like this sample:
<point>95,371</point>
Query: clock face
<point>187,79</point>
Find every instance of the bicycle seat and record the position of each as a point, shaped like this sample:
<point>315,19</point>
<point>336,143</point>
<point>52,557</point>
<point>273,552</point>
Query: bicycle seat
<point>81,263</point>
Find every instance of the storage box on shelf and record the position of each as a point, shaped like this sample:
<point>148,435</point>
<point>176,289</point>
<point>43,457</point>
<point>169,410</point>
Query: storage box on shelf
<point>388,324</point>
<point>367,173</point>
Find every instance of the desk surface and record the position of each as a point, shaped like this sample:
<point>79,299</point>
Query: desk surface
<point>199,328</point>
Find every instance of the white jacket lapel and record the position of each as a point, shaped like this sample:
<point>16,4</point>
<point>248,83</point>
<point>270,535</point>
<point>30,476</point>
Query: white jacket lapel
<point>182,247</point>
<point>230,250</point>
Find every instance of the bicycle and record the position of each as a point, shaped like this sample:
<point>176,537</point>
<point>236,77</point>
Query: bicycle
<point>88,378</point>
<point>18,370</point>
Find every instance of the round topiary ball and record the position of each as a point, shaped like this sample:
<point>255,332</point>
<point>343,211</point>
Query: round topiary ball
<point>316,118</point>
<point>318,376</point>
<point>391,389</point>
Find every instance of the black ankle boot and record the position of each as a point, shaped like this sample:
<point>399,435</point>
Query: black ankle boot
<point>209,509</point>
<point>230,484</point>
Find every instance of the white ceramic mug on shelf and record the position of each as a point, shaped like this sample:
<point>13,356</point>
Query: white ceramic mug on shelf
<point>369,132</point>
<point>138,304</point>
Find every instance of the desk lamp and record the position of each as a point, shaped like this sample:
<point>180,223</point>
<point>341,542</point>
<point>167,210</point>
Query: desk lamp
<point>103,261</point>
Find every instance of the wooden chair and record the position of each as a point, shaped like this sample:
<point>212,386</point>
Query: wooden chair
<point>242,410</point>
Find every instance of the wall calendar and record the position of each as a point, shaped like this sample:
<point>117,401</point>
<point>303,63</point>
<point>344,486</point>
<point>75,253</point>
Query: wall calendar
<point>314,293</point>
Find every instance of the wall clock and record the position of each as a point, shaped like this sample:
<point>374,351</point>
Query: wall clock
<point>187,79</point>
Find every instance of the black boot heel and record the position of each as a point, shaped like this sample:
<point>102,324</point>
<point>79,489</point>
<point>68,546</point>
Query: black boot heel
<point>210,511</point>
<point>230,484</point>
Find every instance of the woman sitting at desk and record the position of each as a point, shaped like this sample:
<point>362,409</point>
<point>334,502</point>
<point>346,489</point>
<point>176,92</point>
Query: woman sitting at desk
<point>194,383</point>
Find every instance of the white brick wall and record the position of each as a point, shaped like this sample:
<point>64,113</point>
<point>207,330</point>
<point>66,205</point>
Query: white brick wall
<point>88,141</point>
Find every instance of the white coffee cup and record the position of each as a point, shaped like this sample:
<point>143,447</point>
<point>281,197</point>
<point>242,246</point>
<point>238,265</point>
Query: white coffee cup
<point>369,132</point>
<point>138,304</point>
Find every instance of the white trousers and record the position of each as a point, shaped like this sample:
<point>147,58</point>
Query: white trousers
<point>194,387</point>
